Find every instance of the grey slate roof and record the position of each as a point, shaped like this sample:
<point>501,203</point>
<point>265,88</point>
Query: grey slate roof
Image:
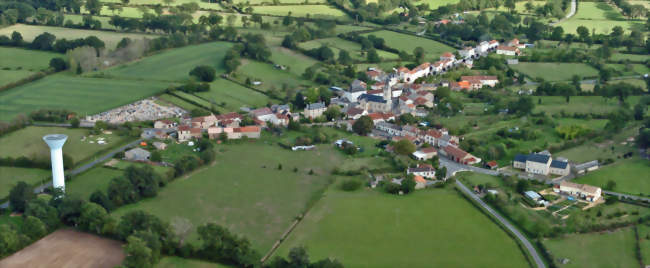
<point>520,158</point>
<point>372,98</point>
<point>539,158</point>
<point>314,106</point>
<point>559,164</point>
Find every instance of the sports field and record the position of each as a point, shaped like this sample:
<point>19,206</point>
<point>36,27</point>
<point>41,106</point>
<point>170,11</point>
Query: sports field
<point>29,142</point>
<point>555,71</point>
<point>408,43</point>
<point>632,176</point>
<point>229,96</point>
<point>245,191</point>
<point>311,11</point>
<point>85,96</point>
<point>97,178</point>
<point>429,228</point>
<point>175,64</point>
<point>600,16</point>
<point>30,32</point>
<point>608,249</point>
<point>10,176</point>
<point>354,48</point>
<point>178,262</point>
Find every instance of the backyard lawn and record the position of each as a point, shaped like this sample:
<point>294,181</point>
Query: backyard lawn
<point>245,191</point>
<point>609,249</point>
<point>29,142</point>
<point>85,96</point>
<point>632,176</point>
<point>369,228</point>
<point>174,64</point>
<point>10,176</point>
<point>550,71</point>
<point>408,43</point>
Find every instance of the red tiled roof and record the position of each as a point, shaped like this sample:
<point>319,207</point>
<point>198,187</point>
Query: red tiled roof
<point>434,133</point>
<point>420,101</point>
<point>248,129</point>
<point>492,163</point>
<point>493,41</point>
<point>232,115</point>
<point>447,55</point>
<point>455,152</point>
<point>507,48</point>
<point>195,130</point>
<point>183,128</point>
<point>419,179</point>
<point>428,150</point>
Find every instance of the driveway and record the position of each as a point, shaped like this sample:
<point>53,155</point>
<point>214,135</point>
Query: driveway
<point>572,12</point>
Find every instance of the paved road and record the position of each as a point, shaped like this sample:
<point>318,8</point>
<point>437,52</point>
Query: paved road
<point>529,247</point>
<point>633,197</point>
<point>572,12</point>
<point>77,170</point>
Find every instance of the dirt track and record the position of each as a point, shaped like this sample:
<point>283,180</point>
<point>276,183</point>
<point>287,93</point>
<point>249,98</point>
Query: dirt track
<point>68,248</point>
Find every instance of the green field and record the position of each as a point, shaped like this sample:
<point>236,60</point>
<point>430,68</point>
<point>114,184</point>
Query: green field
<point>354,48</point>
<point>29,142</point>
<point>175,64</point>
<point>270,2</point>
<point>311,11</point>
<point>10,176</point>
<point>609,249</point>
<point>600,16</point>
<point>409,42</point>
<point>577,104</point>
<point>84,184</point>
<point>270,77</point>
<point>368,228</point>
<point>85,96</point>
<point>555,71</point>
<point>294,61</point>
<point>123,164</point>
<point>644,241</point>
<point>245,191</point>
<point>202,5</point>
<point>174,262</point>
<point>600,149</point>
<point>631,176</point>
<point>433,4</point>
<point>29,32</point>
<point>18,63</point>
<point>78,19</point>
<point>229,96</point>
<point>167,99</point>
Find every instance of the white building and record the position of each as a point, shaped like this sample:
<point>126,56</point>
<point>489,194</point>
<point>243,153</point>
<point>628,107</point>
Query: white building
<point>584,191</point>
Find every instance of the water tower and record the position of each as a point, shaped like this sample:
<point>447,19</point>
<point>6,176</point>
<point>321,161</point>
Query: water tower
<point>56,141</point>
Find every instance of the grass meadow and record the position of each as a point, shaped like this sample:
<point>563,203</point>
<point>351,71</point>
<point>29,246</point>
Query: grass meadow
<point>295,62</point>
<point>608,249</point>
<point>18,63</point>
<point>174,64</point>
<point>271,78</point>
<point>644,241</point>
<point>167,100</point>
<point>244,190</point>
<point>599,16</point>
<point>368,228</point>
<point>408,43</point>
<point>174,262</point>
<point>10,176</point>
<point>632,176</point>
<point>230,96</point>
<point>202,5</point>
<point>354,48</point>
<point>84,184</point>
<point>555,71</point>
<point>311,11</point>
<point>29,32</point>
<point>613,147</point>
<point>28,142</point>
<point>85,96</point>
<point>577,104</point>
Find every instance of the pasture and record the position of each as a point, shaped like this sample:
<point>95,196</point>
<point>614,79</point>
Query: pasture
<point>245,191</point>
<point>368,228</point>
<point>229,96</point>
<point>295,62</point>
<point>602,149</point>
<point>173,262</point>
<point>84,184</point>
<point>310,11</point>
<point>167,100</point>
<point>18,63</point>
<point>85,96</point>
<point>631,176</point>
<point>10,176</point>
<point>270,2</point>
<point>202,5</point>
<point>577,104</point>
<point>644,241</point>
<point>68,248</point>
<point>29,32</point>
<point>408,43</point>
<point>608,249</point>
<point>174,64</point>
<point>354,48</point>
<point>434,4</point>
<point>550,71</point>
<point>272,79</point>
<point>29,142</point>
<point>601,17</point>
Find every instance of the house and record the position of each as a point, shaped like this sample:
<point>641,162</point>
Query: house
<point>535,197</point>
<point>492,45</point>
<point>460,156</point>
<point>137,154</point>
<point>584,191</point>
<point>374,103</point>
<point>425,171</point>
<point>538,164</point>
<point>420,182</point>
<point>251,132</point>
<point>314,110</point>
<point>509,51</point>
<point>280,108</point>
<point>186,133</point>
<point>478,81</point>
<point>215,132</point>
<point>586,167</point>
<point>483,47</point>
<point>357,88</point>
<point>559,167</point>
<point>467,52</point>
<point>515,43</point>
<point>265,114</point>
<point>447,56</point>
<point>355,113</point>
<point>425,153</point>
<point>376,75</point>
<point>430,136</point>
<point>160,145</point>
<point>541,163</point>
<point>492,165</point>
<point>460,85</point>
<point>391,129</point>
<point>166,124</point>
<point>229,120</point>
<point>204,122</point>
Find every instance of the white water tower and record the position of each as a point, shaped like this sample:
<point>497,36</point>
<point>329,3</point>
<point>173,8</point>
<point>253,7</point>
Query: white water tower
<point>56,141</point>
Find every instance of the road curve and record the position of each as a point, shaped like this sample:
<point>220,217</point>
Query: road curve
<point>77,170</point>
<point>574,5</point>
<point>533,252</point>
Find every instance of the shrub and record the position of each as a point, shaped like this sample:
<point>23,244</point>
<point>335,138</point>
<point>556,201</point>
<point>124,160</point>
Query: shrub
<point>204,73</point>
<point>350,185</point>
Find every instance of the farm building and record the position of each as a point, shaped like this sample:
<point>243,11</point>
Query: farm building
<point>584,191</point>
<point>541,163</point>
<point>137,154</point>
<point>586,167</point>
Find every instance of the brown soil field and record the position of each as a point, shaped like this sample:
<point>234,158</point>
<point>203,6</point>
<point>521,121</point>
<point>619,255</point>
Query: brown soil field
<point>68,248</point>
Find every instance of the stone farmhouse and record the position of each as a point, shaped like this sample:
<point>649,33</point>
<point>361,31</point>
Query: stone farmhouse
<point>583,191</point>
<point>314,110</point>
<point>541,163</point>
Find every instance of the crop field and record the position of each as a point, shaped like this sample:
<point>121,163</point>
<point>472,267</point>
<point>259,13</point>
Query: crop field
<point>68,248</point>
<point>111,39</point>
<point>555,71</point>
<point>368,228</point>
<point>600,16</point>
<point>337,44</point>
<point>10,176</point>
<point>85,96</point>
<point>244,190</point>
<point>408,43</point>
<point>229,96</point>
<point>175,64</point>
<point>630,175</point>
<point>29,142</point>
<point>609,249</point>
<point>177,262</point>
<point>84,184</point>
<point>311,11</point>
